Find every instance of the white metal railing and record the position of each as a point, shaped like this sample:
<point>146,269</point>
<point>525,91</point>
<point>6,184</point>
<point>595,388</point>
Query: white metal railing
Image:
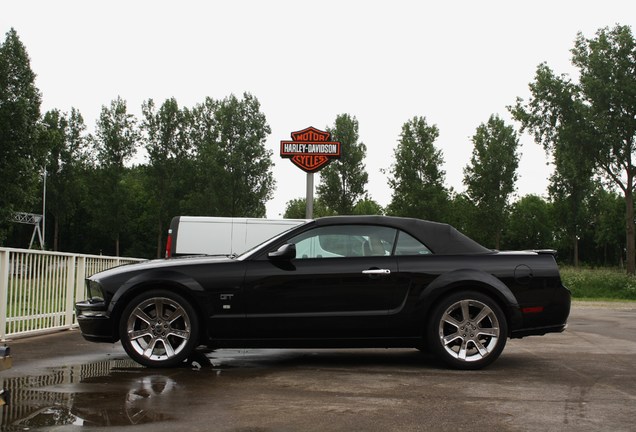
<point>38,289</point>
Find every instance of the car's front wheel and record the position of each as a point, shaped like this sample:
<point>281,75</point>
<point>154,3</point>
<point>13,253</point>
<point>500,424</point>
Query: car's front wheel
<point>467,330</point>
<point>159,329</point>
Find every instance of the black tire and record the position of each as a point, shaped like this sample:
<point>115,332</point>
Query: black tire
<point>467,330</point>
<point>159,329</point>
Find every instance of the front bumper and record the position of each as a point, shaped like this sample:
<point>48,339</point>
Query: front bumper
<point>95,324</point>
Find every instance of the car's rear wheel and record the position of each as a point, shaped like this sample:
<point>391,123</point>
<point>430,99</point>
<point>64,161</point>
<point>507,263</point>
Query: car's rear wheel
<point>159,329</point>
<point>467,330</point>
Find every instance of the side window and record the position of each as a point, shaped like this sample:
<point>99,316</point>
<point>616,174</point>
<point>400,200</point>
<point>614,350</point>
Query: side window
<point>408,245</point>
<point>344,241</point>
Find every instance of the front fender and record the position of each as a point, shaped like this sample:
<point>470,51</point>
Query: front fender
<point>160,277</point>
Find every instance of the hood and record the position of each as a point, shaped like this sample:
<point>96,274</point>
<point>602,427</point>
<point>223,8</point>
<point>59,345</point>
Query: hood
<point>160,263</point>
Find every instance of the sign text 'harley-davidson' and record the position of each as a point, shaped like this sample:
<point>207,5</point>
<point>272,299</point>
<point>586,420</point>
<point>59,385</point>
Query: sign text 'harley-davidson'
<point>310,149</point>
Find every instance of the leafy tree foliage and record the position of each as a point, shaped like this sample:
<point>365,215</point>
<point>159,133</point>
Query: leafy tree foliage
<point>165,135</point>
<point>205,168</point>
<point>207,160</point>
<point>232,165</point>
<point>117,135</point>
<point>67,161</point>
<point>607,64</point>
<point>343,182</point>
<point>240,133</point>
<point>491,174</point>
<point>116,143</point>
<point>367,206</point>
<point>607,210</point>
<point>295,209</point>
<point>21,152</point>
<point>594,120</point>
<point>530,225</point>
<point>461,214</point>
<point>557,116</point>
<point>416,176</point>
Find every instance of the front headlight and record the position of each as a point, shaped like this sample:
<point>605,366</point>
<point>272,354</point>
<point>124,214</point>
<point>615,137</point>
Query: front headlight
<point>94,292</point>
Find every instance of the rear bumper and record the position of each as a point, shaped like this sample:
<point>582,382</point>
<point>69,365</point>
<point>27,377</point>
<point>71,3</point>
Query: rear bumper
<point>537,331</point>
<point>549,318</point>
<point>95,324</point>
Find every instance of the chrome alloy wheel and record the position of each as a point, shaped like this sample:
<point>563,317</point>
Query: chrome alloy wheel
<point>158,329</point>
<point>469,330</point>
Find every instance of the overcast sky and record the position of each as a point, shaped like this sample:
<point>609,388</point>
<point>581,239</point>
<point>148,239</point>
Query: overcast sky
<point>455,63</point>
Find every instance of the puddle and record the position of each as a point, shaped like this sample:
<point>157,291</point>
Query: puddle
<point>114,393</point>
<point>118,392</point>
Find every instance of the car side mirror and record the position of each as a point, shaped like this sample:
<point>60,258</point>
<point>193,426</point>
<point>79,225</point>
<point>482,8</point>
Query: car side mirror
<point>286,252</point>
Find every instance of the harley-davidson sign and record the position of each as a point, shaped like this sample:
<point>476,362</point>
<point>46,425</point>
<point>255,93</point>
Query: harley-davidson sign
<point>310,149</point>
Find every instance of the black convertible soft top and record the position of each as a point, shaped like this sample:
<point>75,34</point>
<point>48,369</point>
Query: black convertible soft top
<point>440,238</point>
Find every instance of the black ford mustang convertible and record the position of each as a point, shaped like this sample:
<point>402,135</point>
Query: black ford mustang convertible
<point>346,281</point>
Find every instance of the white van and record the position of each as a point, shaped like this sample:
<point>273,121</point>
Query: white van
<point>199,235</point>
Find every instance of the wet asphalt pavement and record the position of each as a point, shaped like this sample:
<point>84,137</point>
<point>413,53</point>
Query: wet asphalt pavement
<point>580,380</point>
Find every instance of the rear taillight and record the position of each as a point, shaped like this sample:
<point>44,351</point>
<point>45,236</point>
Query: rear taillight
<point>169,244</point>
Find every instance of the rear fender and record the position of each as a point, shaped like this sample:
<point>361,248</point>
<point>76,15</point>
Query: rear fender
<point>475,280</point>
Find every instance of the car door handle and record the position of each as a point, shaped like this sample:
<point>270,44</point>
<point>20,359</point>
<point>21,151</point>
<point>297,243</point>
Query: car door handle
<point>376,272</point>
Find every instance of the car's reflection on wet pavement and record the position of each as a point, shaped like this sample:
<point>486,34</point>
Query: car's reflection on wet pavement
<point>109,393</point>
<point>119,392</point>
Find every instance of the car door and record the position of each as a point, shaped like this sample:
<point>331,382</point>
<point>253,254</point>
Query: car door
<point>342,283</point>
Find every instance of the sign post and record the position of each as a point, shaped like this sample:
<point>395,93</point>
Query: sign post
<point>309,197</point>
<point>310,150</point>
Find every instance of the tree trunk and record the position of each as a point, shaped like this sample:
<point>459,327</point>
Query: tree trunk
<point>575,244</point>
<point>575,247</point>
<point>629,216</point>
<point>117,245</point>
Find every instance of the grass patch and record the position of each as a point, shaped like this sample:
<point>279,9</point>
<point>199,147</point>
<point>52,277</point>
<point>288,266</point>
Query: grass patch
<point>604,284</point>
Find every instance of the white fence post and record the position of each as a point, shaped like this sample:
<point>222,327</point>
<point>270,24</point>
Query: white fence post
<point>79,279</point>
<point>70,291</point>
<point>4,291</point>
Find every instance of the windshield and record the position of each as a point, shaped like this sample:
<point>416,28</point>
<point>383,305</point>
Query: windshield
<point>250,252</point>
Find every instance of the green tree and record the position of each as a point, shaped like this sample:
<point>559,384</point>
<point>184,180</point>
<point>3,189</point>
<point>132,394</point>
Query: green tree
<point>367,206</point>
<point>241,131</point>
<point>530,224</point>
<point>116,144</point>
<point>607,211</point>
<point>205,170</point>
<point>166,141</point>
<point>21,150</point>
<point>415,176</point>
<point>233,167</point>
<point>461,215</point>
<point>491,174</point>
<point>604,104</point>
<point>295,209</point>
<point>67,161</point>
<point>607,65</point>
<point>343,181</point>
<point>557,116</point>
<point>139,214</point>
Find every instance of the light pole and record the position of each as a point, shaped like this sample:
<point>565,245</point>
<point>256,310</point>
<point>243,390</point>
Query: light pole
<point>46,127</point>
